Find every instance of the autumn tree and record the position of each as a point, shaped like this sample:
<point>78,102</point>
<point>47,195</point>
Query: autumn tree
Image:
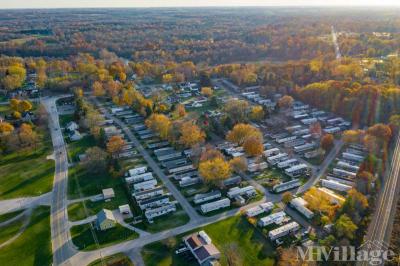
<point>286,102</point>
<point>316,129</point>
<point>236,110</point>
<point>241,132</point>
<point>257,113</point>
<point>207,91</point>
<point>352,136</point>
<point>95,160</point>
<point>287,197</point>
<point>253,146</point>
<point>98,89</point>
<point>27,136</point>
<point>115,145</point>
<point>238,164</point>
<point>210,153</point>
<point>327,142</point>
<point>191,134</point>
<point>15,77</point>
<point>160,124</point>
<point>6,128</point>
<point>179,111</point>
<point>214,170</point>
<point>344,227</point>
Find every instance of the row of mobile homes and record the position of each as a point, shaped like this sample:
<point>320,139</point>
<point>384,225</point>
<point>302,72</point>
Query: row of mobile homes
<point>348,166</point>
<point>332,130</point>
<point>341,180</point>
<point>284,230</point>
<point>145,194</point>
<point>304,147</point>
<point>254,167</point>
<point>344,173</point>
<point>285,139</point>
<point>167,153</point>
<point>274,218</point>
<point>335,185</point>
<point>259,209</point>
<point>153,202</point>
<point>277,158</point>
<point>139,178</point>
<point>248,191</point>
<point>287,163</point>
<point>149,184</point>
<point>137,170</point>
<point>150,214</point>
<point>271,152</point>
<point>215,205</point>
<point>201,198</point>
<point>286,186</point>
<point>297,170</point>
<point>353,157</point>
<point>300,205</point>
<point>189,181</point>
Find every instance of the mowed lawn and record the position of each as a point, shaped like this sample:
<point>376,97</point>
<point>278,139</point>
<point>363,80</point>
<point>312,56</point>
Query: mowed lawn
<point>27,172</point>
<point>118,259</point>
<point>82,236</point>
<point>250,245</point>
<point>33,247</point>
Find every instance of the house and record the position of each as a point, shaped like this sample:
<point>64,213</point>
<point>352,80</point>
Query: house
<point>286,186</point>
<point>202,248</point>
<point>259,209</point>
<point>248,191</point>
<point>108,193</point>
<point>301,206</point>
<point>275,218</point>
<point>125,211</point>
<point>105,220</point>
<point>72,126</point>
<point>75,136</point>
<point>283,230</point>
<point>201,198</point>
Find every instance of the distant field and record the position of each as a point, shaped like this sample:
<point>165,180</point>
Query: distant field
<point>33,247</point>
<point>27,173</point>
<point>252,247</point>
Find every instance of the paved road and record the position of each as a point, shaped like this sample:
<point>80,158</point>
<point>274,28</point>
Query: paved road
<point>12,205</point>
<point>156,169</point>
<point>379,231</point>
<point>60,234</point>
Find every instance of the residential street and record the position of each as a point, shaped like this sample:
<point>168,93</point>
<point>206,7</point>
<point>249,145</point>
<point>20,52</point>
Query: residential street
<point>60,235</point>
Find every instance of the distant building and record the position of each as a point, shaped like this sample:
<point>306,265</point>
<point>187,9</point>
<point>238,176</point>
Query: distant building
<point>105,220</point>
<point>72,126</point>
<point>108,193</point>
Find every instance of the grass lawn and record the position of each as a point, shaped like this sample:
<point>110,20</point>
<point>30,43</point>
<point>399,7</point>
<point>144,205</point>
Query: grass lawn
<point>82,236</point>
<point>79,147</point>
<point>7,232</point>
<point>165,222</point>
<point>119,259</point>
<point>33,247</point>
<point>8,216</point>
<point>27,172</point>
<point>65,119</point>
<point>252,246</point>
<point>76,211</point>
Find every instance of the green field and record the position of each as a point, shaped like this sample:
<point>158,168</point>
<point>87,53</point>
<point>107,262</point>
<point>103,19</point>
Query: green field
<point>33,247</point>
<point>164,222</point>
<point>8,231</point>
<point>27,172</point>
<point>251,246</point>
<point>118,259</point>
<point>79,147</point>
<point>82,236</point>
<point>65,119</point>
<point>8,216</point>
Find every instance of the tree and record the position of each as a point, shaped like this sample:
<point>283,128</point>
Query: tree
<point>241,132</point>
<point>380,131</point>
<point>6,128</point>
<point>180,111</point>
<point>236,110</point>
<point>287,197</point>
<point>327,142</point>
<point>209,153</point>
<point>257,113</point>
<point>238,164</point>
<point>24,106</point>
<point>27,136</point>
<point>191,134</point>
<point>96,160</point>
<point>98,89</point>
<point>352,136</point>
<point>214,170</point>
<point>207,91</point>
<point>364,181</point>
<point>253,146</point>
<point>286,102</point>
<point>316,129</point>
<point>344,227</point>
<point>115,145</point>
<point>159,123</point>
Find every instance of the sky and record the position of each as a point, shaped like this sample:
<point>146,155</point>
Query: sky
<point>4,4</point>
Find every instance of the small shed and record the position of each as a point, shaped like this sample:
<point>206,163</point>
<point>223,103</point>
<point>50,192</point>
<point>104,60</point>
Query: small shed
<point>108,193</point>
<point>125,211</point>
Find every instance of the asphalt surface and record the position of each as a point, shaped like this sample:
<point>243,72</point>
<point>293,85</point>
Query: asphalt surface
<point>62,245</point>
<point>379,231</point>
